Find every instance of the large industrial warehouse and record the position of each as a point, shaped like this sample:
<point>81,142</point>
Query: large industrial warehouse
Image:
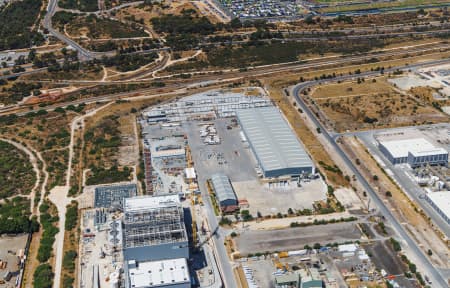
<point>154,230</point>
<point>441,203</point>
<point>226,198</point>
<point>275,146</point>
<point>415,152</point>
<point>172,273</point>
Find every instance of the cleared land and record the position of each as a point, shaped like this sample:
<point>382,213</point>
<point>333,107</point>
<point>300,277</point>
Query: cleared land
<point>295,238</point>
<point>367,105</point>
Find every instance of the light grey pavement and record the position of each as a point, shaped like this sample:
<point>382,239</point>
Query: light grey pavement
<point>296,238</point>
<point>217,240</point>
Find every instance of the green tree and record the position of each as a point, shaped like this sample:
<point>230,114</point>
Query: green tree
<point>43,276</point>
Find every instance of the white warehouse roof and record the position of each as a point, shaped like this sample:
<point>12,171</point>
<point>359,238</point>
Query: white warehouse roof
<point>159,273</point>
<point>272,139</point>
<point>140,203</point>
<point>417,147</point>
<point>441,200</point>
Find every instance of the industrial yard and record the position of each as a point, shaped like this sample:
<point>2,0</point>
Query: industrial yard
<point>420,168</point>
<point>344,265</point>
<point>11,259</point>
<point>437,77</point>
<point>205,128</point>
<point>225,144</point>
<point>120,239</point>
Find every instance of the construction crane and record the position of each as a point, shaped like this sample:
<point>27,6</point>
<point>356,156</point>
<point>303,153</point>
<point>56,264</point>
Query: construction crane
<point>189,164</point>
<point>194,222</point>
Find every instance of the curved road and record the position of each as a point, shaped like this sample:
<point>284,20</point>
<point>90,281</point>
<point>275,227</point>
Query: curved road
<point>429,270</point>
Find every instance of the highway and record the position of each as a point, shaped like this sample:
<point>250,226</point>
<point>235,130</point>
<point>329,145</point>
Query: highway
<point>428,269</point>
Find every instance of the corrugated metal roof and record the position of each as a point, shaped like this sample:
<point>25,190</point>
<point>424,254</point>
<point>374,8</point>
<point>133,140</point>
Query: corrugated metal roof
<point>417,147</point>
<point>222,187</point>
<point>272,139</point>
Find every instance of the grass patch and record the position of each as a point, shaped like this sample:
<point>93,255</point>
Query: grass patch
<point>111,175</point>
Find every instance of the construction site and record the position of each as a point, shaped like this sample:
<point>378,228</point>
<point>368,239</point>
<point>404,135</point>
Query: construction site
<point>131,241</point>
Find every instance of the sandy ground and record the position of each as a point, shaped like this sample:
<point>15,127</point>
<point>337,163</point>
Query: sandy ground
<point>278,223</point>
<point>273,200</point>
<point>446,109</point>
<point>349,199</point>
<point>296,238</point>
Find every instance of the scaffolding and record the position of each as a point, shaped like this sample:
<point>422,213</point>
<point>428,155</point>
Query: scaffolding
<point>159,223</point>
<point>148,172</point>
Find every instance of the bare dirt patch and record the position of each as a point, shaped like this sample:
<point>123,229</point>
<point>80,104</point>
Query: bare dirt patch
<point>368,105</point>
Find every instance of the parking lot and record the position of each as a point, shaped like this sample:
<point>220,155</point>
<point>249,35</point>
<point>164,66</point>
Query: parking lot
<point>229,157</point>
<point>260,9</point>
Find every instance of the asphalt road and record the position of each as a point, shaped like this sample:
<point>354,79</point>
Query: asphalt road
<point>429,270</point>
<point>52,4</point>
<point>218,239</point>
